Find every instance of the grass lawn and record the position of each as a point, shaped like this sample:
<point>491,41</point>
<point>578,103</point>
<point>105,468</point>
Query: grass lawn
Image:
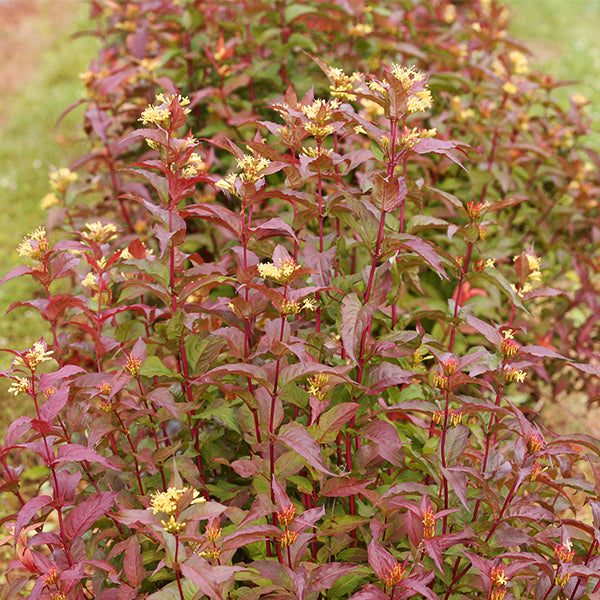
<point>42,81</point>
<point>563,38</point>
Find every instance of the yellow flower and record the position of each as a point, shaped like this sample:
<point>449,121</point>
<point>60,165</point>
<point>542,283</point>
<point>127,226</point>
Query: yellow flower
<point>377,87</point>
<point>156,116</point>
<point>519,61</point>
<point>21,385</point>
<point>37,355</point>
<point>167,501</point>
<point>316,385</point>
<point>343,84</point>
<point>194,165</point>
<point>288,538</point>
<point>513,374</point>
<point>49,200</point>
<point>252,167</point>
<point>34,245</point>
<point>282,273</point>
<point>510,88</point>
<point>309,304</point>
<point>420,101</point>
<point>533,261</point>
<point>394,577</point>
<point>449,13</point>
<point>90,280</point>
<point>61,179</point>
<point>227,183</point>
<point>407,76</point>
<point>316,152</point>
<point>289,307</point>
<point>172,526</point>
<point>99,233</point>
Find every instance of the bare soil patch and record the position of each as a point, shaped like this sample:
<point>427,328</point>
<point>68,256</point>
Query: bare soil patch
<point>29,28</point>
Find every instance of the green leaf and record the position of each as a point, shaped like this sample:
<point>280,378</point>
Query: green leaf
<point>175,326</point>
<point>154,367</point>
<point>295,10</point>
<point>224,413</point>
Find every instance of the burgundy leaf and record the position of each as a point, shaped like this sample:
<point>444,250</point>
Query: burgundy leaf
<point>355,318</point>
<point>299,439</point>
<point>249,535</point>
<point>542,352</point>
<point>491,334</point>
<point>331,422</point>
<point>324,576</point>
<point>82,516</point>
<point>28,510</point>
<point>370,592</point>
<point>133,565</point>
<point>77,453</point>
<point>388,193</point>
<point>382,562</point>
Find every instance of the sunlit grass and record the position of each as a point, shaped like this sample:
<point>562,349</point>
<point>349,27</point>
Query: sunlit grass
<point>563,38</point>
<point>30,145</point>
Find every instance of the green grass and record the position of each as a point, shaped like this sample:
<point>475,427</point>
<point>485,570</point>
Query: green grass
<point>563,37</point>
<point>30,144</point>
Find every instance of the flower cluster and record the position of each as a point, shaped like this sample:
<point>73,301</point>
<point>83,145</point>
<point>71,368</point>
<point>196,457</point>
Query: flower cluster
<point>428,524</point>
<point>564,552</point>
<point>34,245</point>
<point>320,115</point>
<point>342,85</point>
<point>159,114</point>
<point>454,417</point>
<point>395,575</point>
<point>281,273</point>
<point>412,80</point>
<point>61,179</point>
<point>96,232</point>
<point>20,386</point>
<point>33,357</point>
<point>512,374</point>
<point>498,580</point>
<point>509,346</point>
<point>166,502</point>
<point>316,385</point>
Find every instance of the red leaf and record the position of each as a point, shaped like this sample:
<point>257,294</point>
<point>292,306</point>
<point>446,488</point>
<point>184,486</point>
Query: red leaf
<point>425,250</point>
<point>299,439</point>
<point>331,422</point>
<point>382,562</point>
<point>355,318</point>
<point>489,332</point>
<point>542,352</point>
<point>388,192</point>
<point>370,592</point>
<point>344,487</point>
<point>249,535</point>
<point>77,453</point>
<point>324,576</point>
<point>84,515</point>
<point>133,565</point>
<point>28,510</point>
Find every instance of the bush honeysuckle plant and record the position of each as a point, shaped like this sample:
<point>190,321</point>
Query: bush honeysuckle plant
<point>302,293</point>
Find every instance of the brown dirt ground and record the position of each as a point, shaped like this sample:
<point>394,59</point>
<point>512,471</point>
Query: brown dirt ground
<point>27,29</point>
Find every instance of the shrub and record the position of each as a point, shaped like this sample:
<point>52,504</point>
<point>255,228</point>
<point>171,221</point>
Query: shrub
<point>293,354</point>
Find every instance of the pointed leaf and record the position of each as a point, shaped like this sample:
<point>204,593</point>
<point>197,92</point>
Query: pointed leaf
<point>299,439</point>
<point>84,515</point>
